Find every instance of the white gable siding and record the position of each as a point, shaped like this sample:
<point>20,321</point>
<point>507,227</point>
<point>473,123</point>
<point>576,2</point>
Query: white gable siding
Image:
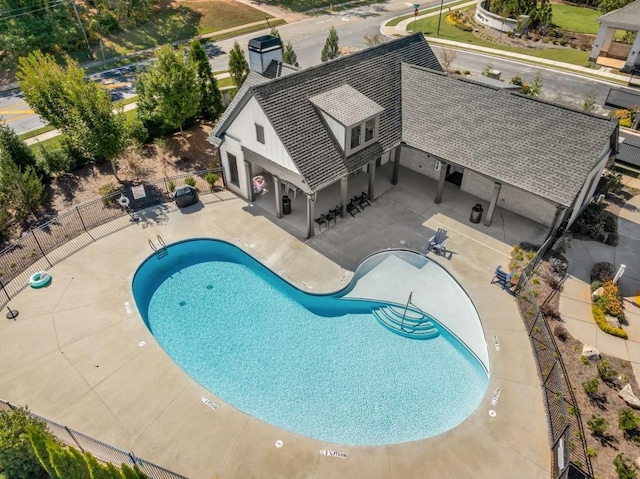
<point>590,184</point>
<point>244,128</point>
<point>232,146</point>
<point>336,128</point>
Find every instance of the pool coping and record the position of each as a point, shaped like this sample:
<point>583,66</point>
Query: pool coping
<point>139,399</point>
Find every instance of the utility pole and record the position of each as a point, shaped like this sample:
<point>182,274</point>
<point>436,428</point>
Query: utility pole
<point>84,34</point>
<point>440,17</point>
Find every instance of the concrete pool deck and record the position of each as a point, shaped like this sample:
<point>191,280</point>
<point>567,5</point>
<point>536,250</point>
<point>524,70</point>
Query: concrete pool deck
<point>74,354</point>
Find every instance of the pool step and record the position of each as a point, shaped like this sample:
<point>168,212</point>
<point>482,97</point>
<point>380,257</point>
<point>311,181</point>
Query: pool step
<point>416,324</point>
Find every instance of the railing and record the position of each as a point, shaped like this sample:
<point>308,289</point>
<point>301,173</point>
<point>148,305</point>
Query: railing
<point>103,452</point>
<point>569,447</point>
<point>65,234</point>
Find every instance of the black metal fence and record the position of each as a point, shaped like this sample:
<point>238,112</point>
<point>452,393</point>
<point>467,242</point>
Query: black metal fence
<point>565,425</point>
<point>100,450</point>
<point>63,235</point>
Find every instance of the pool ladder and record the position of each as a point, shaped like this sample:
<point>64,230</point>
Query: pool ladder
<point>161,249</point>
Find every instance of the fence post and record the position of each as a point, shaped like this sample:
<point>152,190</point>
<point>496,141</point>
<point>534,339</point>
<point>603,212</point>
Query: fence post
<point>74,438</point>
<point>83,225</point>
<point>5,291</point>
<point>40,247</point>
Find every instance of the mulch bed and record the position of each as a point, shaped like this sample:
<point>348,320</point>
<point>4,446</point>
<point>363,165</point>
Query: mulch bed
<point>606,404</point>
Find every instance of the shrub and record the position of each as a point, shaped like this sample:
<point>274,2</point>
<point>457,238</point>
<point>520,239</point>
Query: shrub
<point>17,457</point>
<point>625,468</point>
<point>625,122</point>
<point>628,421</point>
<point>561,332</point>
<point>612,239</point>
<point>591,386</point>
<point>595,285</point>
<point>211,178</point>
<point>597,425</point>
<point>553,281</point>
<point>610,182</point>
<point>611,296</point>
<point>549,311</point>
<point>106,191</point>
<point>601,321</point>
<point>189,180</point>
<point>558,265</point>
<point>605,371</point>
<point>591,452</point>
<point>171,185</point>
<point>602,272</point>
<point>583,360</point>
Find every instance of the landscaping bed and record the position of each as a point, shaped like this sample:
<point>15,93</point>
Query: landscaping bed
<point>595,383</point>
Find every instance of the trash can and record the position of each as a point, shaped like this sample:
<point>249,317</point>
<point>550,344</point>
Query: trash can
<point>476,213</point>
<point>286,205</point>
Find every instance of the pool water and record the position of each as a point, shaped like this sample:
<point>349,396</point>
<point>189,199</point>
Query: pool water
<point>318,365</point>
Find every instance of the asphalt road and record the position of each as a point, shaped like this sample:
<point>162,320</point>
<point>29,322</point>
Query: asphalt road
<point>308,37</point>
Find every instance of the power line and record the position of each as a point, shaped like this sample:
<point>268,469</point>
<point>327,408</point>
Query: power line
<point>57,3</point>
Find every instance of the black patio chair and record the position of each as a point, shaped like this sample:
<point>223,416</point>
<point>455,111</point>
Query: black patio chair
<point>352,208</point>
<point>337,211</point>
<point>363,200</point>
<point>330,216</point>
<point>321,220</point>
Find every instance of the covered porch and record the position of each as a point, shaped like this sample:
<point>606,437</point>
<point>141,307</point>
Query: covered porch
<point>403,216</point>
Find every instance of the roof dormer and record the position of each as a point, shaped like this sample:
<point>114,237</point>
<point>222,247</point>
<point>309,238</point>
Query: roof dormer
<point>353,118</point>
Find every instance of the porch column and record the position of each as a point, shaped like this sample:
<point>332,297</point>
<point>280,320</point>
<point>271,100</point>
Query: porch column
<point>396,165</point>
<point>248,171</point>
<point>492,205</point>
<point>344,181</point>
<point>632,58</point>
<point>603,42</point>
<point>278,193</point>
<point>441,178</point>
<point>372,179</point>
<point>311,202</point>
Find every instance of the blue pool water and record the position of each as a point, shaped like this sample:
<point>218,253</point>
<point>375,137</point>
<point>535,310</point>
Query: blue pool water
<point>317,365</point>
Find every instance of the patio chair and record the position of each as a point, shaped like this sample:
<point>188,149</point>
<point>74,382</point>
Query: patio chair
<point>437,242</point>
<point>337,211</point>
<point>502,278</point>
<point>330,216</point>
<point>352,208</point>
<point>321,220</point>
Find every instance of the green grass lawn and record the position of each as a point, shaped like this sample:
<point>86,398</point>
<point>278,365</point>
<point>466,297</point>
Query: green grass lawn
<point>173,23</point>
<point>567,55</point>
<point>575,19</point>
<point>225,82</point>
<point>394,21</point>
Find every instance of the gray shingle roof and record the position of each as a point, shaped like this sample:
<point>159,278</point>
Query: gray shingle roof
<point>374,72</point>
<point>540,147</point>
<point>628,15</point>
<point>279,69</point>
<point>346,105</point>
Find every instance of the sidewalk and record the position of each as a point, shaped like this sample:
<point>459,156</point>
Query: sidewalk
<point>401,30</point>
<point>575,299</point>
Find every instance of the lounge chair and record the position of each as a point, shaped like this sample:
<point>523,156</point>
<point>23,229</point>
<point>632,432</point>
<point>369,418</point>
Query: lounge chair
<point>502,278</point>
<point>437,242</point>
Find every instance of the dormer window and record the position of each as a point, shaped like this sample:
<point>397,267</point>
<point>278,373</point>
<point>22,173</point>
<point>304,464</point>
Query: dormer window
<point>355,136</point>
<point>352,118</point>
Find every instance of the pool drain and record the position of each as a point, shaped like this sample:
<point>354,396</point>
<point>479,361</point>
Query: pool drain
<point>492,413</point>
<point>279,444</point>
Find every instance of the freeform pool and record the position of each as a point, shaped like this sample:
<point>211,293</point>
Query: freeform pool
<point>318,365</point>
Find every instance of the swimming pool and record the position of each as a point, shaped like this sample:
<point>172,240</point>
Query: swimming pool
<point>319,365</point>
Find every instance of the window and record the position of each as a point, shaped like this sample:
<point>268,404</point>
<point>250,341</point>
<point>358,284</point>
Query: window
<point>369,130</point>
<point>233,169</point>
<point>355,136</point>
<point>260,133</point>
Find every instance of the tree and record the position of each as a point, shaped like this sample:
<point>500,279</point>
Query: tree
<point>168,93</point>
<point>20,191</point>
<point>211,105</point>
<point>289,56</point>
<point>275,33</point>
<point>606,6</point>
<point>448,56</point>
<point>373,40</point>
<point>589,103</point>
<point>17,457</point>
<point>16,148</point>
<point>238,66</point>
<point>81,109</point>
<point>331,48</point>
